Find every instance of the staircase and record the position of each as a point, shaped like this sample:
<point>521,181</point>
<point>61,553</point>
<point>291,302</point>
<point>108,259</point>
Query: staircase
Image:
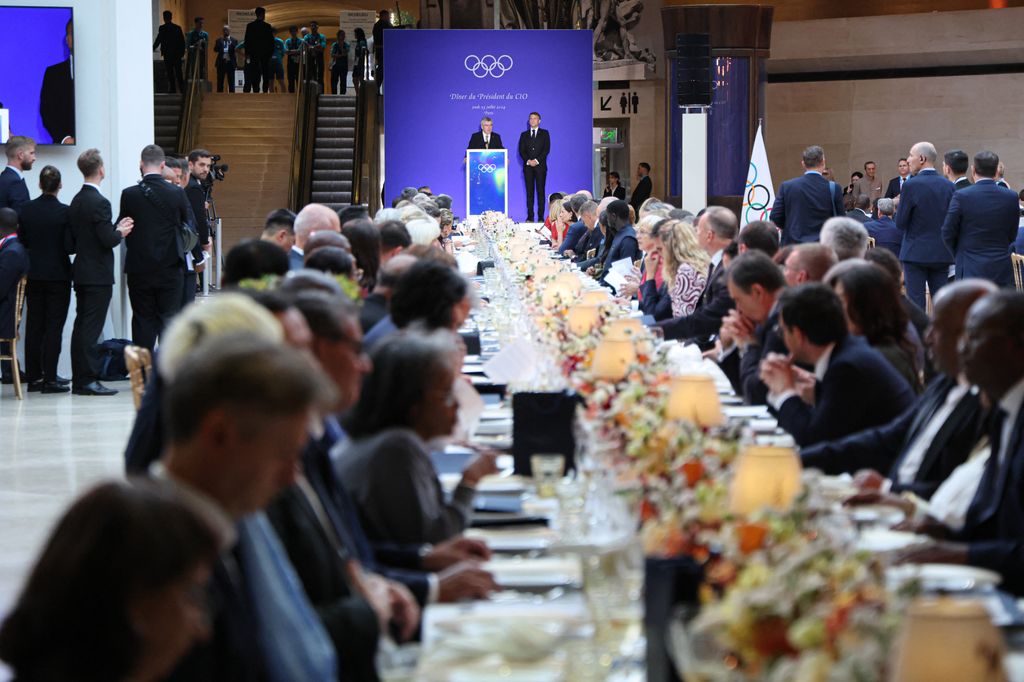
<point>334,151</point>
<point>166,121</point>
<point>253,135</point>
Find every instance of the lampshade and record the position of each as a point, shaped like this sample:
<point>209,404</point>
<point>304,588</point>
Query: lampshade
<point>572,281</point>
<point>596,297</point>
<point>612,359</point>
<point>948,639</point>
<point>542,272</point>
<point>624,328</point>
<point>583,318</point>
<point>695,398</point>
<point>764,476</point>
<point>556,294</point>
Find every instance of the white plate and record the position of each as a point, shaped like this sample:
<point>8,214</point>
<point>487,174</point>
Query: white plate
<point>499,412</point>
<point>534,573</point>
<point>745,411</point>
<point>878,514</point>
<point>496,427</point>
<point>884,540</point>
<point>948,577</point>
<point>536,540</point>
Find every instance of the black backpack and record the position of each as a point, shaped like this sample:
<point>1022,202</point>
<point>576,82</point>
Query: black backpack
<point>112,364</point>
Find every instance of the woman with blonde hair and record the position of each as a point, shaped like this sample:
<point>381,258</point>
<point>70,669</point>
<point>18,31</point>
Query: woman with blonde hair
<point>684,266</point>
<point>561,218</point>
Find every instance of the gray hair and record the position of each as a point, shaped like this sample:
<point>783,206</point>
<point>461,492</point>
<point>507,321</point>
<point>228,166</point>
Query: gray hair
<point>589,207</point>
<point>486,119</point>
<point>813,156</point>
<point>847,237</point>
<point>886,206</point>
<point>927,150</point>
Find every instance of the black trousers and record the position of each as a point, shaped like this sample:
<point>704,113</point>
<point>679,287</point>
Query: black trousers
<point>535,177</point>
<point>91,303</point>
<point>225,72</point>
<point>175,77</point>
<point>190,62</point>
<point>48,303</point>
<point>155,298</point>
<point>378,68</point>
<point>252,77</point>
<point>339,77</point>
<point>266,70</point>
<point>293,75</point>
<point>188,289</point>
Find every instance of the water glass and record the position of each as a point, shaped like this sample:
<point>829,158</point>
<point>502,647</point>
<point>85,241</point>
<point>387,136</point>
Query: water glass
<point>548,470</point>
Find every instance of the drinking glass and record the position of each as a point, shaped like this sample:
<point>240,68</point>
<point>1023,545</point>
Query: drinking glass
<point>547,472</point>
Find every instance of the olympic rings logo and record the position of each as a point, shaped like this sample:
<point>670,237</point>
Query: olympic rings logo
<point>488,65</point>
<point>486,167</point>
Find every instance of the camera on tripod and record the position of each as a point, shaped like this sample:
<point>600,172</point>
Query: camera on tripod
<point>217,169</point>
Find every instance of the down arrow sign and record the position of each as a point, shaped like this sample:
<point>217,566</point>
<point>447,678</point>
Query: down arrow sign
<point>605,102</point>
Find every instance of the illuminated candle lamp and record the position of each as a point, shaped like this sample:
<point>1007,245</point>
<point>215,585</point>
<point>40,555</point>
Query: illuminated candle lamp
<point>583,318</point>
<point>764,476</point>
<point>695,399</point>
<point>612,359</point>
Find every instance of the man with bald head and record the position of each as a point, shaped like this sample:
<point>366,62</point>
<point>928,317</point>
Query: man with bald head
<point>377,304</point>
<point>313,218</point>
<point>323,238</point>
<point>919,449</point>
<point>922,210</point>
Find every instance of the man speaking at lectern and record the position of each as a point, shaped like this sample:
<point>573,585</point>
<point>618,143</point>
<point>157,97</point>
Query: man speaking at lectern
<point>484,138</point>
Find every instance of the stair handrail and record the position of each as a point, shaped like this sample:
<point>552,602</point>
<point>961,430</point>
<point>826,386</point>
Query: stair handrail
<point>191,109</point>
<point>366,181</point>
<point>307,93</point>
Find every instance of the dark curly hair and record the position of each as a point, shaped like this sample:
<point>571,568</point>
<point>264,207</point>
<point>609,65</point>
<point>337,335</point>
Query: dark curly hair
<point>427,294</point>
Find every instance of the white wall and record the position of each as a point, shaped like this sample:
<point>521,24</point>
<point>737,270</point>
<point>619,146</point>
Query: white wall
<point>113,111</point>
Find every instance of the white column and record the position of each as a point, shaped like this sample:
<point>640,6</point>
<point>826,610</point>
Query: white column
<point>693,167</point>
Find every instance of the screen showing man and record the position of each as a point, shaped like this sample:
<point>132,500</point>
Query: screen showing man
<point>40,93</point>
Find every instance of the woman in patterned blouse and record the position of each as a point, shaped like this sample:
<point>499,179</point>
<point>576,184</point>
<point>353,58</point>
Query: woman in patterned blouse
<point>684,266</point>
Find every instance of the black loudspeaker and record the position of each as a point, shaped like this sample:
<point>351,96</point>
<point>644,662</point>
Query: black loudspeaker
<point>693,69</point>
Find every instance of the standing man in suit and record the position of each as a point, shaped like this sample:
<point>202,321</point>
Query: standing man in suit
<point>954,167</point>
<point>13,266</point>
<point>642,191</point>
<point>853,386</point>
<point>803,204</point>
<point>534,146</point>
<point>982,224</point>
<point>93,272</point>
<point>226,60</point>
<point>154,254</point>
<point>869,184</point>
<point>21,154</point>
<point>896,184</point>
<point>382,24</point>
<point>259,49</point>
<point>922,210</point>
<point>716,228</point>
<point>485,138</point>
<point>199,162</point>
<point>884,230</point>
<point>46,233</point>
<point>171,41</point>
<point>57,97</point>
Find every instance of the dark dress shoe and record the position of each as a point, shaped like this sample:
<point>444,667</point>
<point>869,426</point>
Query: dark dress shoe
<point>95,388</point>
<point>35,386</point>
<point>8,379</point>
<point>63,381</point>
<point>54,387</point>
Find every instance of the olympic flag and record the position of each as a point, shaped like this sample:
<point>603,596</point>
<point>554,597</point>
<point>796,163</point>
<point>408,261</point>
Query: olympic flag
<point>759,193</point>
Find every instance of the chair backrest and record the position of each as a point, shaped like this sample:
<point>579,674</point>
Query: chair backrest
<point>19,304</point>
<point>871,242</point>
<point>1018,270</point>
<point>140,366</point>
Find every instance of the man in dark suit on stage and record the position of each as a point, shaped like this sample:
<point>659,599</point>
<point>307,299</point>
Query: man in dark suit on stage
<point>920,215</point>
<point>13,266</point>
<point>982,224</point>
<point>918,450</point>
<point>852,387</point>
<point>226,60</point>
<point>954,166</point>
<point>534,146</point>
<point>93,272</point>
<point>171,41</point>
<point>57,97</point>
<point>485,138</point>
<point>803,204</point>
<point>259,48</point>
<point>21,154</point>
<point>154,254</point>
<point>896,184</point>
<point>884,230</point>
<point>643,188</point>
<point>46,233</point>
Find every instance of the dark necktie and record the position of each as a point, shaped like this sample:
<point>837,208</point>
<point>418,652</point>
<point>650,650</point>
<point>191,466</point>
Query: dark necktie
<point>986,500</point>
<point>533,134</point>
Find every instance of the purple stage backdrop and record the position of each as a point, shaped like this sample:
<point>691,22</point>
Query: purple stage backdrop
<point>31,40</point>
<point>439,84</point>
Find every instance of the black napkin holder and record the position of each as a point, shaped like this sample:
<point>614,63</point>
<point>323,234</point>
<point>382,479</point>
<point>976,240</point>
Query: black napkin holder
<point>543,423</point>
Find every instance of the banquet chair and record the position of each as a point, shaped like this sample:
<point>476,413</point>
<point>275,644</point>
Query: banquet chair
<point>140,365</point>
<point>871,242</point>
<point>1017,260</point>
<point>19,304</point>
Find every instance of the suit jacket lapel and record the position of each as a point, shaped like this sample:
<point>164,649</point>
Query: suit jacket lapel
<point>931,402</point>
<point>958,420</point>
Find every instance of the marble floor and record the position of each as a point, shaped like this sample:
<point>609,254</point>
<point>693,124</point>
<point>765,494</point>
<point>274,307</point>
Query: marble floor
<point>52,447</point>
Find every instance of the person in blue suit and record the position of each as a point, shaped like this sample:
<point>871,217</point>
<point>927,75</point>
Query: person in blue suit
<point>620,239</point>
<point>21,154</point>
<point>883,230</point>
<point>853,386</point>
<point>802,205</point>
<point>992,356</point>
<point>981,225</point>
<point>923,205</point>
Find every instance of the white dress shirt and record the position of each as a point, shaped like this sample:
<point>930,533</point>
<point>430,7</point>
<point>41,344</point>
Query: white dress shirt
<point>915,453</point>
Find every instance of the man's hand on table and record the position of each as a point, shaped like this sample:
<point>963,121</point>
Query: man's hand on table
<point>454,551</point>
<point>465,581</point>
<point>936,552</point>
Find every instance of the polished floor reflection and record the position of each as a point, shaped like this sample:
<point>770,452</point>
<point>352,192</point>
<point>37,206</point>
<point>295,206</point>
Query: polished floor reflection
<point>52,448</point>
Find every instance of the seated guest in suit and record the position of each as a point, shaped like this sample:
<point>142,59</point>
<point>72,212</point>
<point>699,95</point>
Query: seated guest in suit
<point>279,228</point>
<point>846,237</point>
<point>322,239</point>
<point>716,229</point>
<point>312,218</point>
<point>613,188</point>
<point>992,357</point>
<point>619,240</point>
<point>46,233</point>
<point>802,205</point>
<point>406,403</point>
<point>253,259</point>
<point>807,263</point>
<point>238,409</point>
<point>852,386</point>
<point>394,238</point>
<point>884,230</point>
<point>981,225</point>
<point>759,235</point>
<point>750,331</point>
<point>365,240</point>
<point>114,589</point>
<point>589,245</point>
<point>861,211</point>
<point>485,138</point>
<point>333,261</point>
<point>873,311</point>
<point>886,260</point>
<point>14,264</point>
<point>377,304</point>
<point>684,266</point>
<point>919,449</point>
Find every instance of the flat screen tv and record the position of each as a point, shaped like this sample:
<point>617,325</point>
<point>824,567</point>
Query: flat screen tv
<point>37,76</point>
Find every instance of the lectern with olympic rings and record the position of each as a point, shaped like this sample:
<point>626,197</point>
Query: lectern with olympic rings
<point>486,181</point>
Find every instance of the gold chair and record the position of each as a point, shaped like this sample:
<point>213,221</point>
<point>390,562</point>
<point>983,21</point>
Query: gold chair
<point>871,242</point>
<point>19,304</point>
<point>140,365</point>
<point>1018,270</point>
